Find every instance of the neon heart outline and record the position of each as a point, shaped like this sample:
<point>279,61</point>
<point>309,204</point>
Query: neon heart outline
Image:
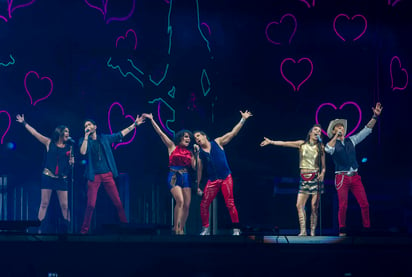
<point>8,127</point>
<point>307,4</point>
<point>340,108</point>
<point>38,77</point>
<point>110,126</point>
<point>402,69</point>
<point>124,37</point>
<point>104,11</point>
<point>10,10</point>
<point>347,17</point>
<point>390,3</point>
<point>290,82</point>
<point>280,21</point>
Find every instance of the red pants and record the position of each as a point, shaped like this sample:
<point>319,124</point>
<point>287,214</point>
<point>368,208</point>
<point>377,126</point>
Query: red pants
<point>92,188</point>
<point>354,184</point>
<point>210,192</point>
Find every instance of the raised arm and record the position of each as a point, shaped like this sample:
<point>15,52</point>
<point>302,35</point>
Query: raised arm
<point>138,121</point>
<point>166,140</point>
<point>44,140</point>
<point>293,144</point>
<point>226,138</point>
<point>376,113</point>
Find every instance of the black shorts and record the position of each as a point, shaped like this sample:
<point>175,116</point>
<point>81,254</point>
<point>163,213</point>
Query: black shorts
<point>48,182</point>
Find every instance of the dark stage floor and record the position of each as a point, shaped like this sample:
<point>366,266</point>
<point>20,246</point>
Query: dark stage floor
<point>166,255</point>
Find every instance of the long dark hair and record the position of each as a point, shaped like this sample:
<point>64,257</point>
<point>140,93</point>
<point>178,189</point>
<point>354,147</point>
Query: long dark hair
<point>318,143</point>
<point>180,134</point>
<point>58,132</point>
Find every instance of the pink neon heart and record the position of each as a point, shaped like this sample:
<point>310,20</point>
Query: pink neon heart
<point>27,90</point>
<point>340,108</point>
<point>307,4</point>
<point>347,17</point>
<point>123,37</point>
<point>8,126</point>
<point>290,82</point>
<point>402,69</point>
<point>11,9</point>
<point>103,10</point>
<point>281,19</point>
<point>127,116</point>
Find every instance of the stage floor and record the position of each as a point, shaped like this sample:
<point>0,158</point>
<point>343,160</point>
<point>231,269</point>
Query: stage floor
<point>166,255</point>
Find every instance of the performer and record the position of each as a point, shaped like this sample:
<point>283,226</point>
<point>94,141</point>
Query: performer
<point>57,166</point>
<point>212,156</point>
<point>101,167</point>
<point>181,160</point>
<point>312,173</point>
<point>346,168</point>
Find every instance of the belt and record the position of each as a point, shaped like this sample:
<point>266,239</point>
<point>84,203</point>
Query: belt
<point>348,173</point>
<point>47,172</point>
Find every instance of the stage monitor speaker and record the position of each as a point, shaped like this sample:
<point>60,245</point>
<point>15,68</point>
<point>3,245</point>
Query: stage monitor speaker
<point>17,226</point>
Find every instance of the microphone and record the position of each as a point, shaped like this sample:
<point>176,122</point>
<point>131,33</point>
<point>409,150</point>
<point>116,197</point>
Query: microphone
<point>195,148</point>
<point>339,133</point>
<point>71,140</point>
<point>319,138</point>
<point>87,131</point>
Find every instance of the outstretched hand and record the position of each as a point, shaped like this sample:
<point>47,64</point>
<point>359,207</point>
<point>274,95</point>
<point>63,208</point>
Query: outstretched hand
<point>139,120</point>
<point>20,118</point>
<point>378,109</point>
<point>246,114</point>
<point>147,115</point>
<point>265,142</point>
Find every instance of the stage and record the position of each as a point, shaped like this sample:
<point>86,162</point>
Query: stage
<point>126,254</point>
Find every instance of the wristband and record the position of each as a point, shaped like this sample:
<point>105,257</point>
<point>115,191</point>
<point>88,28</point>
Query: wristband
<point>242,120</point>
<point>24,123</point>
<point>375,117</point>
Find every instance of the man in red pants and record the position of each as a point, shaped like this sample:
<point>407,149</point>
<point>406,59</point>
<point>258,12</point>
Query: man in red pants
<point>346,167</point>
<point>213,157</point>
<point>101,167</point>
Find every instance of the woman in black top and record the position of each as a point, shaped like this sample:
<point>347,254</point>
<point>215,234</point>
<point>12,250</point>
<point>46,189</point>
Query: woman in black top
<point>56,170</point>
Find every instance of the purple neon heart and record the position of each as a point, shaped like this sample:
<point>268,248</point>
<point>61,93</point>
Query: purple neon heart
<point>123,37</point>
<point>28,92</point>
<point>126,116</point>
<point>290,82</point>
<point>103,11</point>
<point>402,69</point>
<point>347,17</point>
<point>341,106</point>
<point>11,9</point>
<point>281,19</point>
<point>8,126</point>
<point>307,4</point>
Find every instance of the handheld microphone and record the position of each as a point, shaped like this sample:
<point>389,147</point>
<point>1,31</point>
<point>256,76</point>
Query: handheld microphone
<point>71,140</point>
<point>87,131</point>
<point>339,133</point>
<point>319,138</point>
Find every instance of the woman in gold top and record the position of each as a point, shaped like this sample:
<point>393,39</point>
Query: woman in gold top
<point>312,173</point>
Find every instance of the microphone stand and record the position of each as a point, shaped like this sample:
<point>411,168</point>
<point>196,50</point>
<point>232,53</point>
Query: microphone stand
<point>69,215</point>
<point>319,189</point>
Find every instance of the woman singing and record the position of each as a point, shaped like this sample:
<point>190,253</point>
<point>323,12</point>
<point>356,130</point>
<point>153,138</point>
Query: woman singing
<point>56,170</point>
<point>312,173</point>
<point>181,159</point>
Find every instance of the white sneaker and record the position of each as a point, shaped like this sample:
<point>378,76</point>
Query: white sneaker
<point>205,231</point>
<point>236,232</point>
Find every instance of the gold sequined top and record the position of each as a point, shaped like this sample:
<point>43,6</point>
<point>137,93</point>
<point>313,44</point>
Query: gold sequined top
<point>309,156</point>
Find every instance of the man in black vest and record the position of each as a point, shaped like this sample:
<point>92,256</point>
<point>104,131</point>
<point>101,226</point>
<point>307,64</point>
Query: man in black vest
<point>346,167</point>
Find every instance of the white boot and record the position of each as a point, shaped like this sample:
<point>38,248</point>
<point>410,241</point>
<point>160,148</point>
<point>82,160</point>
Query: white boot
<point>236,232</point>
<point>205,231</point>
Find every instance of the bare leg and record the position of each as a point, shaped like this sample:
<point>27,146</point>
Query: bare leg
<point>300,205</point>
<point>64,206</point>
<point>44,203</point>
<point>187,195</point>
<point>314,214</point>
<point>178,210</point>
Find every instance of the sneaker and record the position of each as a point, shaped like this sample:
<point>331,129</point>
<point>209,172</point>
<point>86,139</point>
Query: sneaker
<point>342,232</point>
<point>236,232</point>
<point>205,231</point>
